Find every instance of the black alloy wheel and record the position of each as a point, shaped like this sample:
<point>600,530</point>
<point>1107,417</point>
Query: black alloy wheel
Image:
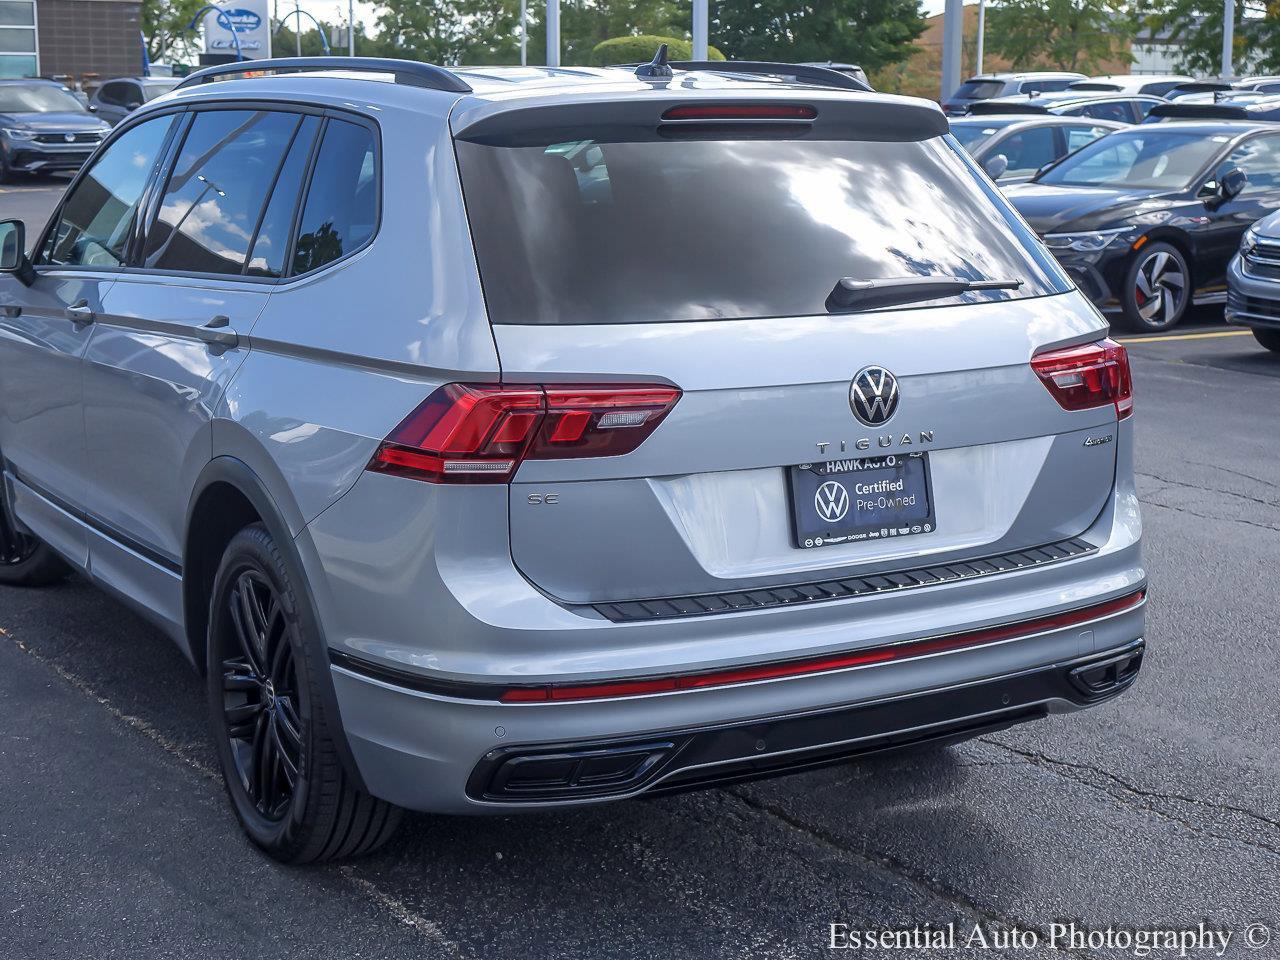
<point>266,665</point>
<point>260,696</point>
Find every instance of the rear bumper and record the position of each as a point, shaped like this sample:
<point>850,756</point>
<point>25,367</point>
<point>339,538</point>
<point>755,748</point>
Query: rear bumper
<point>451,755</point>
<point>689,759</point>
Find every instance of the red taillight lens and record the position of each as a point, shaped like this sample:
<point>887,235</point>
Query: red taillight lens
<point>742,111</point>
<point>1092,375</point>
<point>479,433</point>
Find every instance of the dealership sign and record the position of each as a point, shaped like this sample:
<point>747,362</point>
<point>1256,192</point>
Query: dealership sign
<point>252,26</point>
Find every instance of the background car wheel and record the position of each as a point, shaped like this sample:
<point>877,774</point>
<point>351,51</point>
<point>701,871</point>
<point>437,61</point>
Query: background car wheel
<point>1268,338</point>
<point>278,758</point>
<point>1157,288</point>
<point>25,560</point>
<point>6,174</point>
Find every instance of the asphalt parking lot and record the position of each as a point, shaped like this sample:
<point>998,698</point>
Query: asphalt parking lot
<point>1157,810</point>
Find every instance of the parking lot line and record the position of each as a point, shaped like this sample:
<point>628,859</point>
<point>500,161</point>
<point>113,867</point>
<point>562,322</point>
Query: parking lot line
<point>1188,336</point>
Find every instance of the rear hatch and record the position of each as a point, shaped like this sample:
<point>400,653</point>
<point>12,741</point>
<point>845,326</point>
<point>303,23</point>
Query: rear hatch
<point>813,437</point>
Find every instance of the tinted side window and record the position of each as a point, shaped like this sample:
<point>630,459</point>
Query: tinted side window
<point>342,201</point>
<point>95,222</point>
<point>271,246</point>
<point>1029,150</point>
<point>1259,158</point>
<point>1118,110</point>
<point>1045,86</point>
<point>112,93</point>
<point>217,189</point>
<point>1077,137</point>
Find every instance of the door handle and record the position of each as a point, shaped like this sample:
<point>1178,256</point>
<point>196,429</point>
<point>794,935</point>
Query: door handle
<point>81,314</point>
<point>216,333</point>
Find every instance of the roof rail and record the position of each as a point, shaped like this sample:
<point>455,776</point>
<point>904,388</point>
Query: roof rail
<point>821,76</point>
<point>408,72</point>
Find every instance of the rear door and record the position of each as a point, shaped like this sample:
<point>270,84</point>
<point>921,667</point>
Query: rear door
<point>45,330</point>
<point>706,259</point>
<point>168,342</point>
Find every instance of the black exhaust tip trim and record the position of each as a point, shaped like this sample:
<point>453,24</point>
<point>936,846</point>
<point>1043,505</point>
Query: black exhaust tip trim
<point>687,759</point>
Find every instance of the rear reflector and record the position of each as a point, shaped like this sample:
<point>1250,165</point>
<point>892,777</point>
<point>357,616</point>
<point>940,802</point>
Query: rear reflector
<point>480,433</point>
<point>742,111</point>
<point>798,668</point>
<point>1088,376</point>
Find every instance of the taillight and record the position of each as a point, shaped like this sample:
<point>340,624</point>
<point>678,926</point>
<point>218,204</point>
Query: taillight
<point>479,433</point>
<point>1088,376</point>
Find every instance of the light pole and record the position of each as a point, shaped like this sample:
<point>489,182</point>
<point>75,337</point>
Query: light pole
<point>700,29</point>
<point>351,28</point>
<point>952,46</point>
<point>300,13</point>
<point>982,33</point>
<point>1228,36</point>
<point>553,33</point>
<point>524,33</point>
<point>223,20</point>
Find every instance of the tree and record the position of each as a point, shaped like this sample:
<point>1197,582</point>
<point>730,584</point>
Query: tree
<point>642,48</point>
<point>1198,25</point>
<point>164,28</point>
<point>1061,34</point>
<point>870,33</point>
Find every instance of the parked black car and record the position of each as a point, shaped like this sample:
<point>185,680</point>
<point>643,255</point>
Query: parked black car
<point>1147,218</point>
<point>116,99</point>
<point>1014,147</point>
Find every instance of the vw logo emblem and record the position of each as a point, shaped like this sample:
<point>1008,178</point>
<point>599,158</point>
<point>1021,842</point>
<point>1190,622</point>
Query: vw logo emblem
<point>873,395</point>
<point>69,137</point>
<point>831,501</point>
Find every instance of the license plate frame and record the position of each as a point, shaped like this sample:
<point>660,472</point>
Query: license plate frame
<point>883,510</point>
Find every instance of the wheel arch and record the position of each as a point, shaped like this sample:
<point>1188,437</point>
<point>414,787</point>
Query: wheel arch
<point>228,496</point>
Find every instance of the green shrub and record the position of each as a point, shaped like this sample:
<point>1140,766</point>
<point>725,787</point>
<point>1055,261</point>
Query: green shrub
<point>641,50</point>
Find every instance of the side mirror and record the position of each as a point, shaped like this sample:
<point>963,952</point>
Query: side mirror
<point>996,166</point>
<point>13,251</point>
<point>1231,184</point>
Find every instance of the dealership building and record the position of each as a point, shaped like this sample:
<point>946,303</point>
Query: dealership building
<point>76,38</point>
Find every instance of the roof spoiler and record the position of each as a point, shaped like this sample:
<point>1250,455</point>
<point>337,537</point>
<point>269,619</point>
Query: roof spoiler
<point>1199,111</point>
<point>640,116</point>
<point>987,107</point>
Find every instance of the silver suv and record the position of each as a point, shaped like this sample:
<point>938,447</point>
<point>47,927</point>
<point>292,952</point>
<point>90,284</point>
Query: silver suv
<point>508,439</point>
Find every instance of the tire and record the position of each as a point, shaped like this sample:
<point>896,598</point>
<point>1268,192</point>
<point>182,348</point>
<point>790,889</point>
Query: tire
<point>25,560</point>
<point>1157,289</point>
<point>279,761</point>
<point>6,175</point>
<point>1268,338</point>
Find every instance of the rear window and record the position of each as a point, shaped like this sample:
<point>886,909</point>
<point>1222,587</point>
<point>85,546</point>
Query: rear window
<point>583,231</point>
<point>979,90</point>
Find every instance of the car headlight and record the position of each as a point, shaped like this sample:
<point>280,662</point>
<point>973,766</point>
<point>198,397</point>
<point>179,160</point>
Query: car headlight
<point>1092,242</point>
<point>17,133</point>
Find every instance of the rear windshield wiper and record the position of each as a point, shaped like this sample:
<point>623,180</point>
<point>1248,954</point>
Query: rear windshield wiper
<point>851,295</point>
